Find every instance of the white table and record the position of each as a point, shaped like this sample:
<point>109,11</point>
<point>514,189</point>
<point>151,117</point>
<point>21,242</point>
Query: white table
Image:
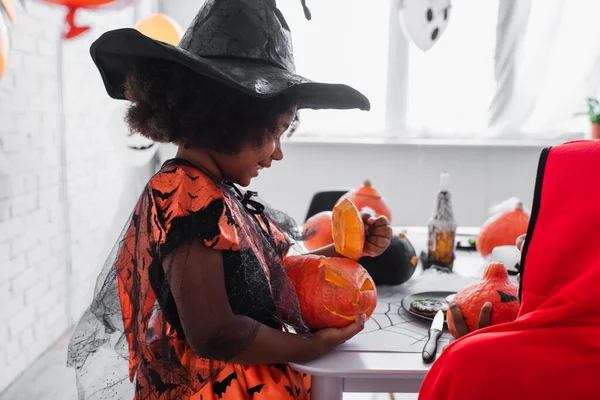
<point>346,369</point>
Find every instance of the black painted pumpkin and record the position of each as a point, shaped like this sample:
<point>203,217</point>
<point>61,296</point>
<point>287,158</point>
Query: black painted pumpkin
<point>395,265</point>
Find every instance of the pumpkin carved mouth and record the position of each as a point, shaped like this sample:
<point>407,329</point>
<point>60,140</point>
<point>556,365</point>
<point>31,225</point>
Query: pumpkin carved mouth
<point>339,314</point>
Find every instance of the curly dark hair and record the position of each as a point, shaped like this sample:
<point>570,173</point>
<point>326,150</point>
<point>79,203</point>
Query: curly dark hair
<point>171,103</point>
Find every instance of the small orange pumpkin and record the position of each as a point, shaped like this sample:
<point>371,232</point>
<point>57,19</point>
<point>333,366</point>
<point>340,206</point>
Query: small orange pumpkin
<point>348,230</point>
<point>494,287</point>
<point>502,229</point>
<point>331,291</point>
<point>367,196</point>
<point>317,230</point>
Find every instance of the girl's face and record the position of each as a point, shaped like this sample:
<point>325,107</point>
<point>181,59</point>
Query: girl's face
<point>242,167</point>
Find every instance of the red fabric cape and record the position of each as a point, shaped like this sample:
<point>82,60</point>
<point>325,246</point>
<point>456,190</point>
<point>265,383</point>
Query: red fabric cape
<point>552,350</point>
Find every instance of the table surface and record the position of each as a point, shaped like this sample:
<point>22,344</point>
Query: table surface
<point>354,359</point>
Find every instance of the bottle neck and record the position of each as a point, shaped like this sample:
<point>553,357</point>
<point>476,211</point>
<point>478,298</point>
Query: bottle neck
<point>443,212</point>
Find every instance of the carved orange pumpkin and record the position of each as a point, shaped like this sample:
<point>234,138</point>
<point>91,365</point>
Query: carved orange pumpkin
<point>317,230</point>
<point>494,287</point>
<point>331,291</point>
<point>367,196</point>
<point>348,230</point>
<point>502,230</point>
<point>72,5</point>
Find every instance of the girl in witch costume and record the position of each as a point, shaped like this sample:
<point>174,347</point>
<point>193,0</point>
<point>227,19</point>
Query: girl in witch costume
<point>194,302</point>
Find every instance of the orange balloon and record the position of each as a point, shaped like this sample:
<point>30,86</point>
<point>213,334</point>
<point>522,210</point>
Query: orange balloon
<point>160,27</point>
<point>4,46</point>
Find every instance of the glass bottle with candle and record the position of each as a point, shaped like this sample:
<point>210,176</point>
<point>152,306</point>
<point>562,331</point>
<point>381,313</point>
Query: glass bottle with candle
<point>442,229</point>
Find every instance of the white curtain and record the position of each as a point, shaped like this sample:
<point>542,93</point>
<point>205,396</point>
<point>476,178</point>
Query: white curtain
<point>451,85</point>
<point>572,64</point>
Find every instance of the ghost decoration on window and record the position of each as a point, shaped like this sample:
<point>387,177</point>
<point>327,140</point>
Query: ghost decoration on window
<point>424,21</point>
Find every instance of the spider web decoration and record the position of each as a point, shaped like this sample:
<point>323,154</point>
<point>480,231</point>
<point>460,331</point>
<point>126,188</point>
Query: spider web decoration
<point>393,329</point>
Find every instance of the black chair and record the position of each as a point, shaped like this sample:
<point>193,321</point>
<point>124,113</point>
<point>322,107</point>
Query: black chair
<point>324,201</point>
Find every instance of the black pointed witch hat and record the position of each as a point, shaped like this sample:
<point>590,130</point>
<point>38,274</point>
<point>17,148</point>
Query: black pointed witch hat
<point>245,44</point>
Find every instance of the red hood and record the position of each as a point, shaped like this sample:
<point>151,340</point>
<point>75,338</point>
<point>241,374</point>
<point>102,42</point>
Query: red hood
<point>552,350</point>
<point>561,259</point>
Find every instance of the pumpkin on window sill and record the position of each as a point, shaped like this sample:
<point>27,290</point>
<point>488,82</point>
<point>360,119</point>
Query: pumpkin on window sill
<point>331,292</point>
<point>367,196</point>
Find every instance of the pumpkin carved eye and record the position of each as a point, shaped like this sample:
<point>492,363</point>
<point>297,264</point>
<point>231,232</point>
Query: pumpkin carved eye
<point>367,285</point>
<point>335,278</point>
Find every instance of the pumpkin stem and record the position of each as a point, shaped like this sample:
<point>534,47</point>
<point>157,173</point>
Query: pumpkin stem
<point>367,183</point>
<point>495,270</point>
<point>519,206</point>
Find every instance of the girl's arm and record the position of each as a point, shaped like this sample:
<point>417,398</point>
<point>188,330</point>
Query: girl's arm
<point>213,331</point>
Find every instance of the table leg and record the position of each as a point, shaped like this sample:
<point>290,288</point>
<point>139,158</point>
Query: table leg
<point>327,388</point>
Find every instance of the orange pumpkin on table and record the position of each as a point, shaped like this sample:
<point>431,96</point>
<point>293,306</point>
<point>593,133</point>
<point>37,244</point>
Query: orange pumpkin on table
<point>494,287</point>
<point>331,291</point>
<point>502,230</point>
<point>317,231</point>
<point>367,196</point>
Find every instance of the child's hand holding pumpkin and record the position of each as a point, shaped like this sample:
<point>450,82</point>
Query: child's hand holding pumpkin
<point>378,234</point>
<point>486,310</point>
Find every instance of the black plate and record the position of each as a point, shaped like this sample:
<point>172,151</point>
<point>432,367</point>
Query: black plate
<point>429,295</point>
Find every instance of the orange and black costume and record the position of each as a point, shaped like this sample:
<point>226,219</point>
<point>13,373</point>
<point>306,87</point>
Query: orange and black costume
<point>130,343</point>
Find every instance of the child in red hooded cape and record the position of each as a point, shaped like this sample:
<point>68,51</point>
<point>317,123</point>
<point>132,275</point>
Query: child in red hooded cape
<point>552,350</point>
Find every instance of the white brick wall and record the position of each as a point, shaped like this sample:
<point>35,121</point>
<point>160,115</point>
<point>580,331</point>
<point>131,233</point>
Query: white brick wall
<point>38,296</point>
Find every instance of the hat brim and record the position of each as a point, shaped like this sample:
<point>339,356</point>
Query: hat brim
<point>116,52</point>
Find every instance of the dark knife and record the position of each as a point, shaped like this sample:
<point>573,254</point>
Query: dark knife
<point>435,332</point>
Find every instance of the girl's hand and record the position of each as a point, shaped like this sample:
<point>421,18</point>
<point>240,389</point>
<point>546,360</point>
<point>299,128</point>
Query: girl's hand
<point>378,234</point>
<point>325,340</point>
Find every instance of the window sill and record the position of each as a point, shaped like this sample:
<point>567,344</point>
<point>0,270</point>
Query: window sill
<point>379,140</point>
